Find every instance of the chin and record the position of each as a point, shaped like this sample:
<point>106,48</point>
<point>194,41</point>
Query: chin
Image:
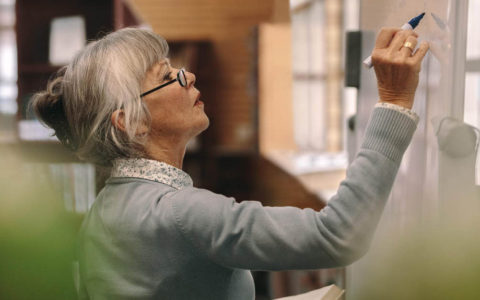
<point>207,123</point>
<point>202,126</point>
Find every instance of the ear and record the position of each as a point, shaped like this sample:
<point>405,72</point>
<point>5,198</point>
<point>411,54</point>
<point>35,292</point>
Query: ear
<point>118,120</point>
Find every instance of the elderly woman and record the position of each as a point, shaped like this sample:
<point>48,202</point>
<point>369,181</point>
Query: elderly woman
<point>150,233</point>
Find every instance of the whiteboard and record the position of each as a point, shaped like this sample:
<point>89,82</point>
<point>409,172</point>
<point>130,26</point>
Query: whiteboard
<point>429,181</point>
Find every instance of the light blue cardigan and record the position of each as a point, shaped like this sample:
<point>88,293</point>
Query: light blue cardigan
<point>162,238</point>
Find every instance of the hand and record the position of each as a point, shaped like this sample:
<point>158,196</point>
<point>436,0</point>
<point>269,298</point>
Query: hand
<point>396,67</point>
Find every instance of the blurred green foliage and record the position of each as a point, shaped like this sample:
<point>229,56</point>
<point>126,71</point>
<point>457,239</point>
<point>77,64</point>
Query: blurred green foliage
<point>37,235</point>
<point>440,260</point>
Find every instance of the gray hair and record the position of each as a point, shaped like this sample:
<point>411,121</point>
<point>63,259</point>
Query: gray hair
<point>105,76</point>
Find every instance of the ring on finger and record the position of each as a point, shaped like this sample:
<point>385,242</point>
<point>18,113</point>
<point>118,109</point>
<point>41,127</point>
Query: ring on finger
<point>409,45</point>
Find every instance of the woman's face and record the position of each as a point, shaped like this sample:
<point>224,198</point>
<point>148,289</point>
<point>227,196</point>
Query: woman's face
<point>177,112</point>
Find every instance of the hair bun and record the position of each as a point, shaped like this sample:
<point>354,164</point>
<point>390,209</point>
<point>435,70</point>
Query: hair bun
<point>48,106</point>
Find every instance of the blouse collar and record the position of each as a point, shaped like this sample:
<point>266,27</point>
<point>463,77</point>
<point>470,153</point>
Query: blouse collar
<point>152,170</point>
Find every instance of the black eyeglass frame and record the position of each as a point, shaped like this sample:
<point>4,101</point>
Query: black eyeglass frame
<point>181,78</point>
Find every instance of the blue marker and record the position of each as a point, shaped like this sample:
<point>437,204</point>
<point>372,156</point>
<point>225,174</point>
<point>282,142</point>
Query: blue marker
<point>407,26</point>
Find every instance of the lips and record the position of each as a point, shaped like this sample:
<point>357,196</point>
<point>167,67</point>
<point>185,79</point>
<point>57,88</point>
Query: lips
<point>197,100</point>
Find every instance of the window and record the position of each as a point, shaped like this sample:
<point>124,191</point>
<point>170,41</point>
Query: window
<point>309,74</point>
<point>8,70</point>
<point>320,103</point>
<point>319,106</point>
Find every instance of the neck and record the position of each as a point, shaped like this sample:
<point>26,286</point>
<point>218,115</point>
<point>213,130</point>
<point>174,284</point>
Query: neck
<point>169,152</point>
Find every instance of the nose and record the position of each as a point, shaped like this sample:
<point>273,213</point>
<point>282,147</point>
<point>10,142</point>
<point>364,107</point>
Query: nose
<point>191,78</point>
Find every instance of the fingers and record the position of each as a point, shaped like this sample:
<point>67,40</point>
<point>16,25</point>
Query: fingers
<point>408,51</point>
<point>400,38</point>
<point>385,36</point>
<point>421,52</point>
<point>397,70</point>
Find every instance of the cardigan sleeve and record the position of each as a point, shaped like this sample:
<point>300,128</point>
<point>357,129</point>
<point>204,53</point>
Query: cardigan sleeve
<point>248,235</point>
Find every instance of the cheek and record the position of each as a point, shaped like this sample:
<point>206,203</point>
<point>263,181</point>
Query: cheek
<point>171,111</point>
<point>162,106</point>
<point>170,118</point>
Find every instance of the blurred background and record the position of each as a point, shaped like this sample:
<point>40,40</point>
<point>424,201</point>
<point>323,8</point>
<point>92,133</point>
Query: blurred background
<point>276,86</point>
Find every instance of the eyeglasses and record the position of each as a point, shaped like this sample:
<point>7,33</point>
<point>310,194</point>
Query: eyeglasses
<point>181,78</point>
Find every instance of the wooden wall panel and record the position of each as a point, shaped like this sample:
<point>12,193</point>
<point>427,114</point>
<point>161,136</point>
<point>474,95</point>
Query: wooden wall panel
<point>275,88</point>
<point>230,26</point>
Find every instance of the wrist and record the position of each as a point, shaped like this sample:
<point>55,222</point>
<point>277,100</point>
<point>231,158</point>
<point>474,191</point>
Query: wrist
<point>397,98</point>
<point>402,103</point>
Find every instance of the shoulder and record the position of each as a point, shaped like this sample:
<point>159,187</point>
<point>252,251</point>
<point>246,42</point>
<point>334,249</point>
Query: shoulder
<point>133,199</point>
<point>201,212</point>
<point>193,202</point>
